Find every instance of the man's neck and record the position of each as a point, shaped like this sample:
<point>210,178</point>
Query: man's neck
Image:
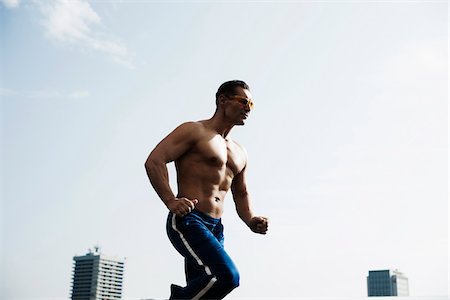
<point>220,125</point>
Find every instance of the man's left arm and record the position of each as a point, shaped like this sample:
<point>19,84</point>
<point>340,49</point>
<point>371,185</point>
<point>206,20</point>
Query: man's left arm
<point>241,198</point>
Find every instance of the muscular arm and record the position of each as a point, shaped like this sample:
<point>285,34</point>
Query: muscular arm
<point>241,197</point>
<point>243,205</point>
<point>169,149</point>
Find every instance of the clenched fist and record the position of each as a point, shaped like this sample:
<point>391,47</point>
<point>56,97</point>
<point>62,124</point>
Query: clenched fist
<point>259,224</point>
<point>181,206</point>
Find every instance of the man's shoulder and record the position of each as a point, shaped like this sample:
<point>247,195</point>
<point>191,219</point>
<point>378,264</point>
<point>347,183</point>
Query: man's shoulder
<point>191,131</point>
<point>194,126</point>
<point>239,146</point>
<point>234,142</point>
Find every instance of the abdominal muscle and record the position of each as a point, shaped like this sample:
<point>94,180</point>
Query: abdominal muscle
<point>209,190</point>
<point>208,203</point>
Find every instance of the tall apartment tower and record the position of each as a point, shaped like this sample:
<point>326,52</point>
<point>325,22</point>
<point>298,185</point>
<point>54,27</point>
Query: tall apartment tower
<point>96,276</point>
<point>387,283</point>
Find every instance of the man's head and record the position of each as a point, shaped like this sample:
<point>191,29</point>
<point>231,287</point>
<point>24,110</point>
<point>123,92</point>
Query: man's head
<point>234,99</point>
<point>229,88</point>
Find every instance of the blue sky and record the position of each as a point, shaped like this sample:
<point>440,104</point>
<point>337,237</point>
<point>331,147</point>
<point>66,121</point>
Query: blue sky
<point>347,144</point>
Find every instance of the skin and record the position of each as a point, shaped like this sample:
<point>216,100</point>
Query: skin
<point>208,163</point>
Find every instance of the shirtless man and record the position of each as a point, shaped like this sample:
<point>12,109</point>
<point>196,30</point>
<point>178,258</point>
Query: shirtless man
<point>208,164</point>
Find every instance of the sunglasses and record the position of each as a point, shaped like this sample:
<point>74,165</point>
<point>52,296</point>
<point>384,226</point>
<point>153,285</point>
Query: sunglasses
<point>244,101</point>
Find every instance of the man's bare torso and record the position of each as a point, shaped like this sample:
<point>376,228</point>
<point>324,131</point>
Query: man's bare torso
<point>206,171</point>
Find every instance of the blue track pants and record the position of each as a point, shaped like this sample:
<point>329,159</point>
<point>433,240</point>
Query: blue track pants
<point>210,272</point>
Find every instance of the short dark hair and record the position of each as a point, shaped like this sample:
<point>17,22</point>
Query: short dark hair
<point>228,88</point>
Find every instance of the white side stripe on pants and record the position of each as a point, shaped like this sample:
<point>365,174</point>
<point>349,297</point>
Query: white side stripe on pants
<point>207,287</point>
<point>195,256</point>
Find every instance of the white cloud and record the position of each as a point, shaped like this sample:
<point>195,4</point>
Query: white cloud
<point>11,3</point>
<point>73,22</point>
<point>29,94</point>
<point>79,94</point>
<point>69,21</point>
<point>43,94</point>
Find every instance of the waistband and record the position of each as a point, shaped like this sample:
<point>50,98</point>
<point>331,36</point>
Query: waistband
<point>205,216</point>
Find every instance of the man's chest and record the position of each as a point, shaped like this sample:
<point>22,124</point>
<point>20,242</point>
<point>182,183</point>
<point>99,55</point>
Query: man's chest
<point>222,154</point>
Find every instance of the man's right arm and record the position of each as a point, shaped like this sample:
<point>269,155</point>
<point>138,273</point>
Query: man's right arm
<point>169,149</point>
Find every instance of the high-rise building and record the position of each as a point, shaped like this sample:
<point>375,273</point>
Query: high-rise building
<point>96,276</point>
<point>387,283</point>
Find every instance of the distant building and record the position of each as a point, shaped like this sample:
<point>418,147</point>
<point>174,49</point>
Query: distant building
<point>387,283</point>
<point>96,276</point>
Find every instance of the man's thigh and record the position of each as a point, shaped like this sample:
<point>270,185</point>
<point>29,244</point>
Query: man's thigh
<point>199,246</point>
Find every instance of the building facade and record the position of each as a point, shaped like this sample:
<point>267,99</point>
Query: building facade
<point>387,283</point>
<point>96,276</point>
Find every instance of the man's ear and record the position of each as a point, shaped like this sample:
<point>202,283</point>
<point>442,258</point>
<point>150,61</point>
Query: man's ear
<point>222,98</point>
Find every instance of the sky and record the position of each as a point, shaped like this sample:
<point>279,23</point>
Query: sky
<point>347,144</point>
